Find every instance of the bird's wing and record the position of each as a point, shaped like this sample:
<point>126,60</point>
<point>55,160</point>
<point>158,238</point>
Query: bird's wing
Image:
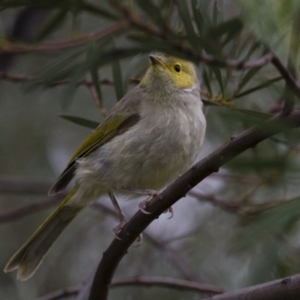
<point>123,116</point>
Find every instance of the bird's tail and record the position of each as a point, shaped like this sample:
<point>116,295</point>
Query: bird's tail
<point>29,257</point>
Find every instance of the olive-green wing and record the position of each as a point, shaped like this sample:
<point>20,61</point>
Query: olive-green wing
<point>123,116</point>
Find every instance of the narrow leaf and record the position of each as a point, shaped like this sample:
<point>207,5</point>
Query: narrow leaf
<point>59,69</point>
<point>206,79</point>
<point>198,17</point>
<point>234,24</point>
<point>247,77</point>
<point>258,87</point>
<point>100,11</point>
<point>51,25</point>
<point>187,22</point>
<point>254,113</point>
<point>69,92</point>
<point>117,75</point>
<point>153,11</point>
<point>94,74</point>
<point>218,75</point>
<point>131,70</point>
<point>80,121</point>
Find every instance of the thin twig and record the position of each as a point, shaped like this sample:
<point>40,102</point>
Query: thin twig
<point>25,210</point>
<point>11,48</point>
<point>238,208</point>
<point>171,283</point>
<point>22,78</point>
<point>289,145</point>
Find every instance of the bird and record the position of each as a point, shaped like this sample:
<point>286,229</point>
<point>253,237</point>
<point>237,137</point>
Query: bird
<point>150,137</point>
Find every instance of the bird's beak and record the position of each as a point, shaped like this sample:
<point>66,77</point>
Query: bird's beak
<point>155,60</point>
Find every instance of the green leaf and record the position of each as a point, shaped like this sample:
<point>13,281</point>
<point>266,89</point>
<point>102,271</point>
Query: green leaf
<point>253,47</point>
<point>69,92</point>
<point>117,75</point>
<point>206,80</point>
<point>254,113</point>
<point>153,11</point>
<point>110,56</point>
<point>218,75</point>
<point>187,22</point>
<point>198,17</point>
<point>274,219</point>
<point>247,78</point>
<point>98,11</point>
<point>134,64</point>
<point>258,87</point>
<point>232,25</point>
<point>94,73</point>
<point>80,121</point>
<point>59,69</point>
<point>51,25</point>
<point>215,13</point>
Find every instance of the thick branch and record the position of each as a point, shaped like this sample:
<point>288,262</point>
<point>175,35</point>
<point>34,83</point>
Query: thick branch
<point>178,189</point>
<point>281,289</point>
<point>287,75</point>
<point>16,186</point>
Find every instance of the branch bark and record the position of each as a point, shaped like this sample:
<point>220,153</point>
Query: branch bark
<point>171,283</point>
<point>281,289</point>
<point>16,186</point>
<point>178,189</point>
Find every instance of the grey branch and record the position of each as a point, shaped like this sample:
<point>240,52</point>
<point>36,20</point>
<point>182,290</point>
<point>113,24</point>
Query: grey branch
<point>171,283</point>
<point>178,189</point>
<point>281,289</point>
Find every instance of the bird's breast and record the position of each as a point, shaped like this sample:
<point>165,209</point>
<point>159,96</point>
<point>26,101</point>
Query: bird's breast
<point>162,145</point>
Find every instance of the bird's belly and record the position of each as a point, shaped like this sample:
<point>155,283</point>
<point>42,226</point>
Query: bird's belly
<point>145,161</point>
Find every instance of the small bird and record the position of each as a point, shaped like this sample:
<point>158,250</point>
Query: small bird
<point>152,135</point>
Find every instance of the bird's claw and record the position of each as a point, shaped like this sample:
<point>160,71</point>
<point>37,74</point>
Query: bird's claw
<point>171,211</point>
<point>118,228</point>
<point>139,240</point>
<point>143,206</point>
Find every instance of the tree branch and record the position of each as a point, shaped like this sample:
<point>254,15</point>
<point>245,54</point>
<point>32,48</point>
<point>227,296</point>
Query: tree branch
<point>171,283</point>
<point>28,209</point>
<point>23,78</point>
<point>287,75</point>
<point>16,186</point>
<point>289,99</point>
<point>7,47</point>
<point>178,189</point>
<point>138,23</point>
<point>281,289</point>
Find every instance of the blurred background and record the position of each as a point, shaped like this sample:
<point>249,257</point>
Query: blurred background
<point>237,228</point>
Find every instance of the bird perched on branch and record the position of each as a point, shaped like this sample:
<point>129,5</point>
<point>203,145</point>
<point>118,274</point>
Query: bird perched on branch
<point>150,137</point>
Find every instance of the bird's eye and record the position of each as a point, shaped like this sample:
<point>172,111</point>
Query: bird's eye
<point>177,68</point>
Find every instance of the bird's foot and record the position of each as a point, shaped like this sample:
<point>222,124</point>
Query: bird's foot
<point>171,211</point>
<point>118,228</point>
<point>143,205</point>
